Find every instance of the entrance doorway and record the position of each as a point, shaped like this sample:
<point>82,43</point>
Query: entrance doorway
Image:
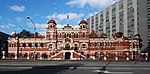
<point>67,55</point>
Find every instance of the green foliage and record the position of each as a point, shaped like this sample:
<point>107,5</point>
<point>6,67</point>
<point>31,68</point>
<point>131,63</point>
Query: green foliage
<point>24,33</point>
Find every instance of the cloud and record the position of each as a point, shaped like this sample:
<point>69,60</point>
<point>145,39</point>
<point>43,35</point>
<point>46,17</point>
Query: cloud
<point>40,26</point>
<point>7,26</point>
<point>19,19</point>
<point>72,16</point>
<point>92,3</point>
<point>17,8</point>
<point>81,3</point>
<point>37,25</point>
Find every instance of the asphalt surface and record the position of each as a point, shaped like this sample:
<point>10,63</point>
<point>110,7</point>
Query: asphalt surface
<point>73,67</point>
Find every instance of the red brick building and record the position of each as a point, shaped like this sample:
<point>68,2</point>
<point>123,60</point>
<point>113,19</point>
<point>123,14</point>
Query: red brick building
<point>74,44</point>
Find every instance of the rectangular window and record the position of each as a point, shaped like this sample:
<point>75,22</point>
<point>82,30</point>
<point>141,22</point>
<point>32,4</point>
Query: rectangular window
<point>148,9</point>
<point>148,37</point>
<point>148,32</point>
<point>148,26</point>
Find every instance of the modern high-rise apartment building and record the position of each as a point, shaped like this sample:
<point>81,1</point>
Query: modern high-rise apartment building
<point>127,16</point>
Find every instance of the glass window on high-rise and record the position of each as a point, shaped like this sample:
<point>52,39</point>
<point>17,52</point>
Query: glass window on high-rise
<point>130,18</point>
<point>148,9</point>
<point>101,23</point>
<point>148,4</point>
<point>121,6</point>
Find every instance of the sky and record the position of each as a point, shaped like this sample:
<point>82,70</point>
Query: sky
<point>13,13</point>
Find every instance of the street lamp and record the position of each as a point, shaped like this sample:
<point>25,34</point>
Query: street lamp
<point>132,38</point>
<point>99,46</point>
<point>34,34</point>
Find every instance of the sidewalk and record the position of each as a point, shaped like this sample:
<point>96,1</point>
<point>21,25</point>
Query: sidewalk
<point>70,62</point>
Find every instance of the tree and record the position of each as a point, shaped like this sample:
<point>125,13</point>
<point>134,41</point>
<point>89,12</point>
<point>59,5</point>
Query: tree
<point>24,33</point>
<point>118,35</point>
<point>140,40</point>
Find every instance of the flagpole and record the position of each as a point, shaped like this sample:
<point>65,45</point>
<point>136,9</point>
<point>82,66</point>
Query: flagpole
<point>67,19</point>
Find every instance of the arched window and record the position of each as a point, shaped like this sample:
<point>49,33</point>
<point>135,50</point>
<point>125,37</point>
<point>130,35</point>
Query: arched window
<point>84,26</point>
<point>83,35</point>
<point>51,26</point>
<point>41,44</point>
<point>76,35</point>
<point>51,46</point>
<point>29,44</point>
<point>83,46</point>
<point>69,35</point>
<point>59,36</point>
<point>36,44</point>
<point>24,45</point>
<point>65,35</point>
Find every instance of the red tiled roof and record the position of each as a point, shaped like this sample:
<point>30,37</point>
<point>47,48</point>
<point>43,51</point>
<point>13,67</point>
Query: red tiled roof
<point>83,22</point>
<point>51,21</point>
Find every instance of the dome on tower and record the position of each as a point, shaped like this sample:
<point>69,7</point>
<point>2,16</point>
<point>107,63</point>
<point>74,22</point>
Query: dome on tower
<point>83,22</point>
<point>51,21</point>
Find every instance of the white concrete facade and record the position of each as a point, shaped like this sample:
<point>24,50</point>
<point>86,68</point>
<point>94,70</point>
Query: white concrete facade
<point>117,23</point>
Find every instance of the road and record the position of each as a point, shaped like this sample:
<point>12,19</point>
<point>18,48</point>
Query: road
<point>73,67</point>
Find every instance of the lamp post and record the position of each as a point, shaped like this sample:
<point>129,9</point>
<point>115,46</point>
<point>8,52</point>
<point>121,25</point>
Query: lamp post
<point>99,46</point>
<point>133,51</point>
<point>34,34</point>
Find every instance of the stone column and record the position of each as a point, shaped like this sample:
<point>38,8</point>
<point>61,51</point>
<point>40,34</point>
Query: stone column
<point>127,56</point>
<point>105,56</point>
<point>40,55</point>
<point>16,56</point>
<point>116,57</point>
<point>28,55</point>
<point>3,55</point>
<point>48,56</point>
<point>146,58</point>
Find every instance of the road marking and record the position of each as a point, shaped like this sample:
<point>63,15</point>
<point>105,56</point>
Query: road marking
<point>102,71</point>
<point>126,68</point>
<point>89,67</point>
<point>119,72</point>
